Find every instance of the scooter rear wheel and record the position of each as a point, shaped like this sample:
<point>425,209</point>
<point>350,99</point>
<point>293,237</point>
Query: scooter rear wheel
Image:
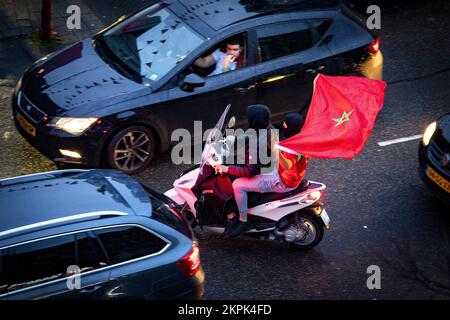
<point>310,225</point>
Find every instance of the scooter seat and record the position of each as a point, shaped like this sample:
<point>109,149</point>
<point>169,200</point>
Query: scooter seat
<point>255,198</point>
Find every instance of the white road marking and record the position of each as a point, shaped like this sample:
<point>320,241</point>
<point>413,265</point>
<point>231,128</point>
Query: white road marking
<point>399,140</point>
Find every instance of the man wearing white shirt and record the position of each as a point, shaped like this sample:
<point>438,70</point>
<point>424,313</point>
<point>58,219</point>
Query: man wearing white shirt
<point>224,61</point>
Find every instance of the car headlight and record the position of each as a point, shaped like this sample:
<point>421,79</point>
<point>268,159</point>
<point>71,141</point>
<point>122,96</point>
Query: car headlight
<point>75,126</point>
<point>428,133</point>
<point>18,86</point>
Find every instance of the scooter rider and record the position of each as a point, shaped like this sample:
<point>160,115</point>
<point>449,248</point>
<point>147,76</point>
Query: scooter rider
<point>290,172</point>
<point>258,116</point>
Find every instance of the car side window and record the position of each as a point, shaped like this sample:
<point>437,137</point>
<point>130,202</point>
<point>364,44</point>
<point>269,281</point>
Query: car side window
<point>129,242</point>
<point>36,262</point>
<point>89,256</point>
<point>282,39</point>
<point>210,63</point>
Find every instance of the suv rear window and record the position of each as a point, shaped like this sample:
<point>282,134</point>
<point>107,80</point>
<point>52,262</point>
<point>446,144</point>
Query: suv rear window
<point>165,210</point>
<point>128,243</point>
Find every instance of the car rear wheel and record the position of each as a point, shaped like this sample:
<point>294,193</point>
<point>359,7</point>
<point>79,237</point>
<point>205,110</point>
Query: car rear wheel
<point>131,149</point>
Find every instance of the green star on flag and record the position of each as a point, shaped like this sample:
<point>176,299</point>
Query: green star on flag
<point>345,117</point>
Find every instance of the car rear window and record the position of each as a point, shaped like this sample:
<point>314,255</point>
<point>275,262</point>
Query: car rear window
<point>282,39</point>
<point>126,243</point>
<point>166,211</point>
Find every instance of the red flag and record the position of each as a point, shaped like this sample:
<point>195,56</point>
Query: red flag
<point>340,118</point>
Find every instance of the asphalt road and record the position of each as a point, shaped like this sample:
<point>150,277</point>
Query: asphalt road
<point>381,212</point>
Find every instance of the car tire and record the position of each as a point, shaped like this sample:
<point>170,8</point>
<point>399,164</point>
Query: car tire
<point>131,149</point>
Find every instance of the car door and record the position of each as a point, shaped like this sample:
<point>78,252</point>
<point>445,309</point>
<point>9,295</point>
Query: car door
<point>290,56</point>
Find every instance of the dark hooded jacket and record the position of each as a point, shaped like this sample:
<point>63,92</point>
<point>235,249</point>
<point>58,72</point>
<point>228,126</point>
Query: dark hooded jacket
<point>258,118</point>
<point>294,123</point>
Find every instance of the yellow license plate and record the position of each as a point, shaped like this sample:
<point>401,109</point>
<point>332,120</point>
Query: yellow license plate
<point>438,179</point>
<point>28,127</point>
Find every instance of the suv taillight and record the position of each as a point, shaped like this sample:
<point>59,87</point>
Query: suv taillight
<point>374,47</point>
<point>190,263</point>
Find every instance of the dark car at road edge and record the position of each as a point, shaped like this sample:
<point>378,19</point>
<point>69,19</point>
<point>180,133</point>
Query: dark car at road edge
<point>434,158</point>
<point>93,234</point>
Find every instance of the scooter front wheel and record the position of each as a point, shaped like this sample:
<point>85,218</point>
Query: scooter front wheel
<point>307,230</point>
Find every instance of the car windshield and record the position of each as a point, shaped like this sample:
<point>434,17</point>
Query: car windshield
<point>150,43</point>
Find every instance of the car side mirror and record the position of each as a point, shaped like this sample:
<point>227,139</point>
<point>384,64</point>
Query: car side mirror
<point>192,81</point>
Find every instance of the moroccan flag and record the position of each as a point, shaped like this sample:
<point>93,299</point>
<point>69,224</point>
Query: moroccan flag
<point>340,118</point>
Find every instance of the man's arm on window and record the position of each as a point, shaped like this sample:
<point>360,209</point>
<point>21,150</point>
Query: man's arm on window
<point>205,62</point>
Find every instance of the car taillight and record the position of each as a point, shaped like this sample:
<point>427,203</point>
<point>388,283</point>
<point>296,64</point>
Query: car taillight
<point>374,47</point>
<point>190,263</point>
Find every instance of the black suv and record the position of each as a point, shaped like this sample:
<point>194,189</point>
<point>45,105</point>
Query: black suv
<point>116,98</point>
<point>93,234</point>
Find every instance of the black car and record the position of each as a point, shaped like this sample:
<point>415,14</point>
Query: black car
<point>434,157</point>
<point>115,99</point>
<point>93,234</point>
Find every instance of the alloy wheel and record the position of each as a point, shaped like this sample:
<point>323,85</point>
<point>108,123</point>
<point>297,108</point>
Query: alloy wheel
<point>132,150</point>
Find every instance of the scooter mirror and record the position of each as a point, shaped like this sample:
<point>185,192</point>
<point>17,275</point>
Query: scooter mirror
<point>232,122</point>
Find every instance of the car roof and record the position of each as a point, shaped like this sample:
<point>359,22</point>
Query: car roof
<point>60,197</point>
<point>219,14</point>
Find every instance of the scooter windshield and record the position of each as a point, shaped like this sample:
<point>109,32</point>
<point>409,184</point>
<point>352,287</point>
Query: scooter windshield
<point>214,136</point>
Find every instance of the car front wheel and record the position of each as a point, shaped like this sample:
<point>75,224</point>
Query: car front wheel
<point>131,149</point>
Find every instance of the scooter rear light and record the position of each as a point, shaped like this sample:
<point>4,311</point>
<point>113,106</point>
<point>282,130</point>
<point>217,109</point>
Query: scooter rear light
<point>190,263</point>
<point>374,47</point>
<point>315,195</point>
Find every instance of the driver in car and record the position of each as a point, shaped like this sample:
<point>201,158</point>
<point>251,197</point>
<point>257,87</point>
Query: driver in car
<point>224,61</point>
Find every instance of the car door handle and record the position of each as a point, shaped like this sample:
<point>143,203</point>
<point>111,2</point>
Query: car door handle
<point>245,89</point>
<point>316,70</point>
